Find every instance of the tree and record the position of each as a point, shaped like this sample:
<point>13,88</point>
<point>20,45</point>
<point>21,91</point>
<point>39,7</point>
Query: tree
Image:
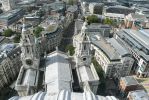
<point>70,2</point>
<point>92,19</point>
<point>41,13</point>
<point>98,68</point>
<point>8,33</point>
<point>17,37</point>
<point>70,49</point>
<point>108,21</point>
<point>37,31</point>
<point>83,18</point>
<point>100,73</point>
<point>115,23</point>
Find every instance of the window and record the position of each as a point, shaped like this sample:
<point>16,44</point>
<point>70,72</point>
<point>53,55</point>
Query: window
<point>27,49</point>
<point>84,59</point>
<point>84,47</point>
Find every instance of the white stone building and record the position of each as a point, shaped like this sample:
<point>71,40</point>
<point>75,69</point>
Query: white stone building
<point>27,80</point>
<point>96,8</point>
<point>114,59</point>
<point>10,66</point>
<point>58,77</point>
<point>114,16</point>
<point>52,34</point>
<point>8,4</point>
<point>86,72</point>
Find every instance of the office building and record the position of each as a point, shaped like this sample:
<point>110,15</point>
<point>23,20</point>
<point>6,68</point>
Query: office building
<point>8,4</point>
<point>136,41</point>
<point>127,84</point>
<point>10,64</point>
<point>96,8</point>
<point>52,33</point>
<point>138,95</point>
<point>10,17</point>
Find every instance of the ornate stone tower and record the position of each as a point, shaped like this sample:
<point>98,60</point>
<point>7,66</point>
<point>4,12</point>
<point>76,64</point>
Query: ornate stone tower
<point>83,53</point>
<point>30,55</point>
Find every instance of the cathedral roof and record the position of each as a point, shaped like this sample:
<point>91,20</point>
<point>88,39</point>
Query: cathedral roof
<point>64,95</point>
<point>58,72</point>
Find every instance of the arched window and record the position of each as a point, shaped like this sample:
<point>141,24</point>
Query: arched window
<point>27,49</point>
<point>84,47</point>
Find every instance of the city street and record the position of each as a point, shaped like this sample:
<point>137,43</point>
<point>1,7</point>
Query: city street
<point>67,37</point>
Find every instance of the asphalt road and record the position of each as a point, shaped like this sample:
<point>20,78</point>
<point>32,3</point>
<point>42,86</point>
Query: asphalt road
<point>67,37</point>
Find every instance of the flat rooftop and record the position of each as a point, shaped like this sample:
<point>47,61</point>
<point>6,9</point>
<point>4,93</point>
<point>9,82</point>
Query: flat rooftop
<point>29,77</point>
<point>139,95</point>
<point>144,82</point>
<point>118,47</point>
<point>137,17</point>
<point>110,47</point>
<point>141,36</point>
<point>24,2</point>
<point>50,24</point>
<point>72,8</point>
<point>129,80</point>
<point>140,40</point>
<point>115,15</point>
<point>57,5</point>
<point>9,14</point>
<point>97,26</point>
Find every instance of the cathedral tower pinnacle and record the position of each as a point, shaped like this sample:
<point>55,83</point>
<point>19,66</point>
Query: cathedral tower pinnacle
<point>30,54</point>
<point>83,53</point>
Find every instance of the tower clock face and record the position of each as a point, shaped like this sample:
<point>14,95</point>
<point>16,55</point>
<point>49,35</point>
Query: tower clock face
<point>29,62</point>
<point>84,59</point>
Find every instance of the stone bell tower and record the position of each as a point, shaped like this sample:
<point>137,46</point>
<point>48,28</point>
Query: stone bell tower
<point>83,52</point>
<point>30,55</point>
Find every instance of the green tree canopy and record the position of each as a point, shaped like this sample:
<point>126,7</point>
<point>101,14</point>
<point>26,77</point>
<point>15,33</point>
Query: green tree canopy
<point>70,2</point>
<point>108,21</point>
<point>98,68</point>
<point>71,49</point>
<point>17,37</point>
<point>37,31</point>
<point>100,72</point>
<point>8,33</point>
<point>92,19</point>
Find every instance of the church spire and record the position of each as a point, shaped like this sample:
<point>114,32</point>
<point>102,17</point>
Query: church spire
<point>83,53</point>
<point>30,55</point>
<point>24,30</point>
<point>23,27</point>
<point>84,27</point>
